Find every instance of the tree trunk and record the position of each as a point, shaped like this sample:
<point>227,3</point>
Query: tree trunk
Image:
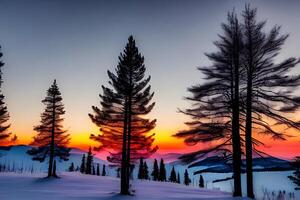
<point>128,166</point>
<point>248,138</point>
<point>124,186</point>
<point>51,157</point>
<point>250,193</point>
<point>235,121</point>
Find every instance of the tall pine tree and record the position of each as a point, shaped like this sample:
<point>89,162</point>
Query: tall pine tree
<point>269,86</point>
<point>121,122</point>
<point>52,139</point>
<point>5,138</point>
<point>216,103</point>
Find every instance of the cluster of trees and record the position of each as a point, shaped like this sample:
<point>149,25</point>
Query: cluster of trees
<point>87,165</point>
<point>159,173</point>
<point>7,167</point>
<point>143,170</point>
<point>246,92</point>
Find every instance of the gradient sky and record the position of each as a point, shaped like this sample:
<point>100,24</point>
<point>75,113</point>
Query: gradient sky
<point>77,41</point>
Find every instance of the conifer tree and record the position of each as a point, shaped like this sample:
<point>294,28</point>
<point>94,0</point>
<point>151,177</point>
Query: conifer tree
<point>4,115</point>
<point>173,176</point>
<point>145,171</point>
<point>82,166</point>
<point>94,171</point>
<point>72,168</point>
<point>89,162</point>
<point>215,113</point>
<point>155,172</point>
<point>187,179</point>
<point>269,86</point>
<point>162,171</point>
<point>98,169</point>
<point>103,171</point>
<point>201,182</point>
<point>296,174</point>
<point>178,178</point>
<point>51,139</point>
<point>121,117</point>
<point>141,169</point>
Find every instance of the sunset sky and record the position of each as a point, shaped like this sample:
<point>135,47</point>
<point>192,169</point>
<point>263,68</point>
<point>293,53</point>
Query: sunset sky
<point>76,42</point>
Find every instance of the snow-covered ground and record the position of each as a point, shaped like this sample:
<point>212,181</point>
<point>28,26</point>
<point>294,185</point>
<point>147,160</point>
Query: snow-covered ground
<point>263,181</point>
<point>75,186</point>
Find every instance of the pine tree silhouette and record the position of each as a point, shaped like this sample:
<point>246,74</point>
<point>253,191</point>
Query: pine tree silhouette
<point>72,168</point>
<point>296,174</point>
<point>89,162</point>
<point>5,138</point>
<point>141,169</point>
<point>201,182</point>
<point>51,139</point>
<point>178,178</point>
<point>124,130</point>
<point>155,172</point>
<point>162,171</point>
<point>82,166</point>
<point>103,171</point>
<point>173,176</point>
<point>216,106</point>
<point>269,86</point>
<point>187,179</point>
<point>145,171</point>
<point>98,169</point>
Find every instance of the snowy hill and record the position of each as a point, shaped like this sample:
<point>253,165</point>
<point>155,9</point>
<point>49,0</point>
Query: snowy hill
<point>17,157</point>
<point>86,187</point>
<point>216,164</point>
<point>270,180</point>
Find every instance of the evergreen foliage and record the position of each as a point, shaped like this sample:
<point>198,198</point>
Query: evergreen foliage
<point>120,118</point>
<point>187,179</point>
<point>89,162</point>
<point>155,172</point>
<point>82,165</point>
<point>5,135</point>
<point>103,171</point>
<point>72,168</point>
<point>51,139</point>
<point>173,176</point>
<point>98,169</point>
<point>162,171</point>
<point>201,182</point>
